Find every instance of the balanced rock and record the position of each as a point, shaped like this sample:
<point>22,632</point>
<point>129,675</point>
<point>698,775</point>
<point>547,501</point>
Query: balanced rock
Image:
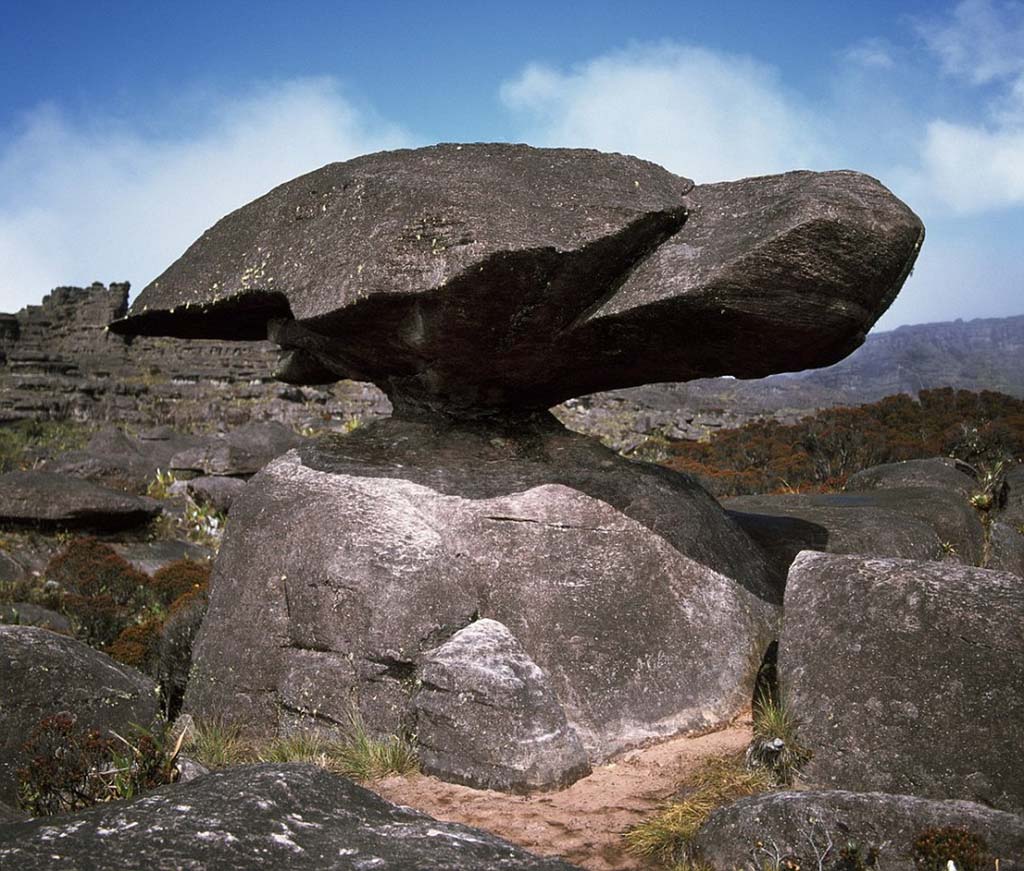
<point>940,473</point>
<point>491,277</point>
<point>811,827</point>
<point>43,673</point>
<point>259,817</point>
<point>908,676</point>
<point>346,561</point>
<point>47,499</point>
<point>485,715</point>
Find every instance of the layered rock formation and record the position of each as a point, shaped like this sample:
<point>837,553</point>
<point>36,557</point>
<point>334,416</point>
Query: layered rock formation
<point>477,285</point>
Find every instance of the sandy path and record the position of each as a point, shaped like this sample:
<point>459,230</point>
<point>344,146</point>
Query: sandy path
<point>584,823</point>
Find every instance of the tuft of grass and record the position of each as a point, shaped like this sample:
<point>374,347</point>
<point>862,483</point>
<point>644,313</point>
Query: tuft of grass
<point>218,744</point>
<point>668,837</point>
<point>24,443</point>
<point>358,755</point>
<point>160,486</point>
<point>775,747</point>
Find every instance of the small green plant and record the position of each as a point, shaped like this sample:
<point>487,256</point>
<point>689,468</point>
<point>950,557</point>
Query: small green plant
<point>362,757</point>
<point>204,524</point>
<point>668,836</point>
<point>218,744</point>
<point>775,747</point>
<point>934,848</point>
<point>160,486</point>
<point>71,768</point>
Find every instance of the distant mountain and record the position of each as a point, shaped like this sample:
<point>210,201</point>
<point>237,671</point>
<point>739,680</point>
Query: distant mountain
<point>982,354</point>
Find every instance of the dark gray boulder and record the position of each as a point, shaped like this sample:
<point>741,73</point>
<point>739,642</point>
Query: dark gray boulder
<point>485,715</point>
<point>909,523</point>
<point>240,452</point>
<point>940,473</point>
<point>10,568</point>
<point>1005,548</point>
<point>43,673</point>
<point>27,614</point>
<point>567,271</point>
<point>908,676</point>
<point>346,561</point>
<point>216,491</point>
<point>1012,512</point>
<point>50,500</point>
<point>753,832</point>
<point>262,816</point>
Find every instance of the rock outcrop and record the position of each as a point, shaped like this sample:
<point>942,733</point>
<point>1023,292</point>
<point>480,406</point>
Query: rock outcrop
<point>347,561</point>
<point>906,676</point>
<point>259,817</point>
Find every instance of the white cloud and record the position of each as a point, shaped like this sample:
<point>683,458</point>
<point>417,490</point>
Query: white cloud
<point>700,113</point>
<point>101,200</point>
<point>872,54</point>
<point>982,41</point>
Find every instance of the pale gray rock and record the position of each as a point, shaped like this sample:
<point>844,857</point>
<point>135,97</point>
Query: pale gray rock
<point>485,715</point>
<point>151,556</point>
<point>216,491</point>
<point>259,817</point>
<point>750,833</point>
<point>43,673</point>
<point>1005,548</point>
<point>908,677</point>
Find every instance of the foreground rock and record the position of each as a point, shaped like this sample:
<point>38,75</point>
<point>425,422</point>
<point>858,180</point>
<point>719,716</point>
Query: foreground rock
<point>50,500</point>
<point>344,563</point>
<point>801,826</point>
<point>264,816</point>
<point>486,716</point>
<point>43,673</point>
<point>931,696</point>
<point>477,278</point>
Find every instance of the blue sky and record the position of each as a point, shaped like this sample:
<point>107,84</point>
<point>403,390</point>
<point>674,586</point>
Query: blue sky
<point>127,128</point>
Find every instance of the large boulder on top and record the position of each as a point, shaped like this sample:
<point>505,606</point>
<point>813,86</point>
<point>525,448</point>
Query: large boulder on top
<point>347,560</point>
<point>485,715</point>
<point>487,277</point>
<point>260,817</point>
<point>757,832</point>
<point>50,500</point>
<point>908,677</point>
<point>43,673</point>
<point>940,473</point>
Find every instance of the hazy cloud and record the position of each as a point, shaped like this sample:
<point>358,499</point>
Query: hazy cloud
<point>102,200</point>
<point>871,53</point>
<point>704,114</point>
<point>981,41</point>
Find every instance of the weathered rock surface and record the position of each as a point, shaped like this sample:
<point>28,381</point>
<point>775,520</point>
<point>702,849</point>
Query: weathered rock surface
<point>940,473</point>
<point>1013,511</point>
<point>346,561</point>
<point>27,614</point>
<point>151,556</point>
<point>1005,548</point>
<point>798,825</point>
<point>217,491</point>
<point>485,715</point>
<point>908,676</point>
<point>911,523</point>
<point>240,452</point>
<point>568,271</point>
<point>263,816</point>
<point>47,499</point>
<point>43,673</point>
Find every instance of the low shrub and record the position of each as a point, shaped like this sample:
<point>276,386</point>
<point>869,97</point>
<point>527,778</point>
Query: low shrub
<point>934,848</point>
<point>775,746</point>
<point>178,578</point>
<point>71,768</point>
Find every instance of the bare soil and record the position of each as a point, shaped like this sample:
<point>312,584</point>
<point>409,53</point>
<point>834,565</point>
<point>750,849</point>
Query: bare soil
<point>584,823</point>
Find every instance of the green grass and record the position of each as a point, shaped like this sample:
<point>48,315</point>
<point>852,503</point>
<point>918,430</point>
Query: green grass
<point>776,746</point>
<point>24,442</point>
<point>667,838</point>
<point>358,755</point>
